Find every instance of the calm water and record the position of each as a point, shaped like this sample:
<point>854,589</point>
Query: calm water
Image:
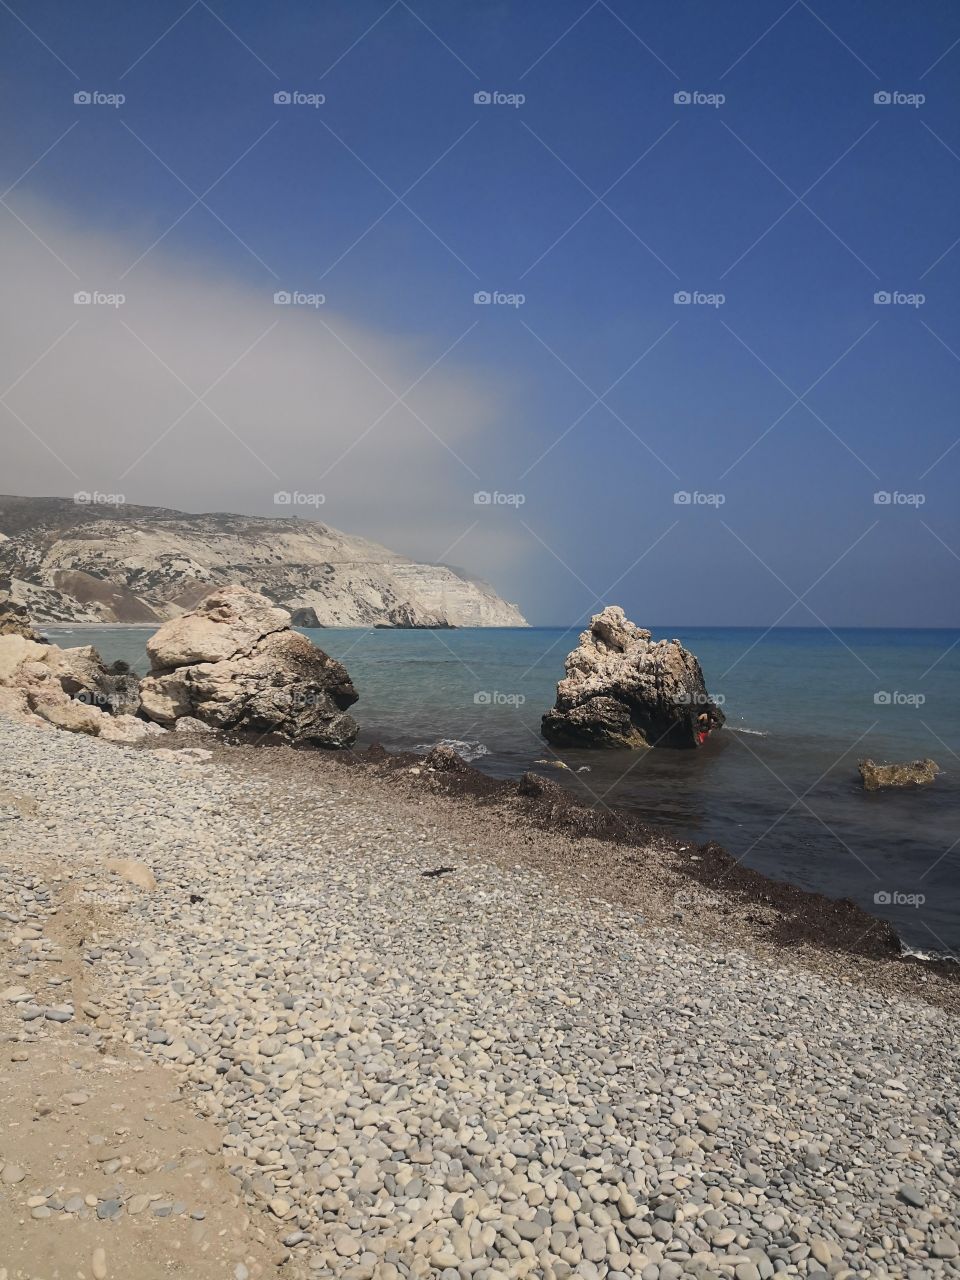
<point>781,790</point>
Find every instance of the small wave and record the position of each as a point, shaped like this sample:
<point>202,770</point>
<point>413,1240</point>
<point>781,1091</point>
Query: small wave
<point>915,953</point>
<point>466,750</point>
<point>754,733</point>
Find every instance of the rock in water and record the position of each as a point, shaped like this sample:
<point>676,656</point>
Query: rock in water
<point>912,773</point>
<point>624,690</point>
<point>235,663</point>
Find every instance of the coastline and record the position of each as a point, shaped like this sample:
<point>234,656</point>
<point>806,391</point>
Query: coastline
<point>446,1030</point>
<point>699,889</point>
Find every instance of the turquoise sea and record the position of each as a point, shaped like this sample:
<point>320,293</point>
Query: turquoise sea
<point>779,787</point>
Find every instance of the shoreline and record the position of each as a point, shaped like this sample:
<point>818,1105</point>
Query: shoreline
<point>678,882</point>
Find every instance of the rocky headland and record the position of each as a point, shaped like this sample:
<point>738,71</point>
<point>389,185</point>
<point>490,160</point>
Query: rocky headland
<point>88,562</point>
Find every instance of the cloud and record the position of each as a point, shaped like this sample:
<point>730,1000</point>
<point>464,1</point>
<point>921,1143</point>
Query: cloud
<point>198,391</point>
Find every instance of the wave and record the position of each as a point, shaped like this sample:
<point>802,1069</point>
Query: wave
<point>915,953</point>
<point>755,733</point>
<point>468,751</point>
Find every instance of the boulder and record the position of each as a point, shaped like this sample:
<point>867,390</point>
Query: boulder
<point>236,663</point>
<point>65,713</point>
<point>190,724</point>
<point>623,689</point>
<point>912,773</point>
<point>69,688</point>
<point>15,620</point>
<point>14,706</point>
<point>136,873</point>
<point>443,759</point>
<point>124,728</point>
<point>226,623</point>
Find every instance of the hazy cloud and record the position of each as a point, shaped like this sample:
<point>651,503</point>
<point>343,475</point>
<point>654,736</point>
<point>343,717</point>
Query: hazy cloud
<point>295,397</point>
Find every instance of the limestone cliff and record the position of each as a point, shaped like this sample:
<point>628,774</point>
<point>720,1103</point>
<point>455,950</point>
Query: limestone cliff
<point>70,562</point>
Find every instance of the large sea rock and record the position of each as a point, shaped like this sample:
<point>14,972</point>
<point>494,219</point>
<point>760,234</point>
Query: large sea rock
<point>234,662</point>
<point>623,689</point>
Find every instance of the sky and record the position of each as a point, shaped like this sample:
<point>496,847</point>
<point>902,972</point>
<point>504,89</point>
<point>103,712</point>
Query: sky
<point>604,302</point>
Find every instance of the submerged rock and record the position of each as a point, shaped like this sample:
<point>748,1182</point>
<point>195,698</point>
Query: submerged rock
<point>911,773</point>
<point>623,689</point>
<point>235,663</point>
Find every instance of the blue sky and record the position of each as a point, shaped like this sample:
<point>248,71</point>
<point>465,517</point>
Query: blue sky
<point>598,198</point>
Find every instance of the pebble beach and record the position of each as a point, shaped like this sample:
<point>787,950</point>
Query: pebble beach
<point>415,1051</point>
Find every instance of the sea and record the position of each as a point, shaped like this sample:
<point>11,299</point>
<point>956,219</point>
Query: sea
<point>778,787</point>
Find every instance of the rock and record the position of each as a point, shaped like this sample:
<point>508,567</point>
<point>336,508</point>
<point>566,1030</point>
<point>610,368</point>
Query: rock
<point>125,728</point>
<point>623,689</point>
<point>226,624</point>
<point>443,759</point>
<point>98,1264</point>
<point>909,774</point>
<point>15,618</point>
<point>304,617</point>
<point>136,873</point>
<point>912,1195</point>
<point>538,788</point>
<point>235,663</point>
<point>15,706</point>
<point>64,713</point>
<point>190,724</point>
<point>183,755</point>
<point>68,688</point>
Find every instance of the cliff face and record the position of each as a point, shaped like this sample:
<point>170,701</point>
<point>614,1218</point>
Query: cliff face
<point>77,563</point>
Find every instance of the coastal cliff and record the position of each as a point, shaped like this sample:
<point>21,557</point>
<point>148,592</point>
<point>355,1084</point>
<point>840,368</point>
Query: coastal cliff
<point>77,562</point>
